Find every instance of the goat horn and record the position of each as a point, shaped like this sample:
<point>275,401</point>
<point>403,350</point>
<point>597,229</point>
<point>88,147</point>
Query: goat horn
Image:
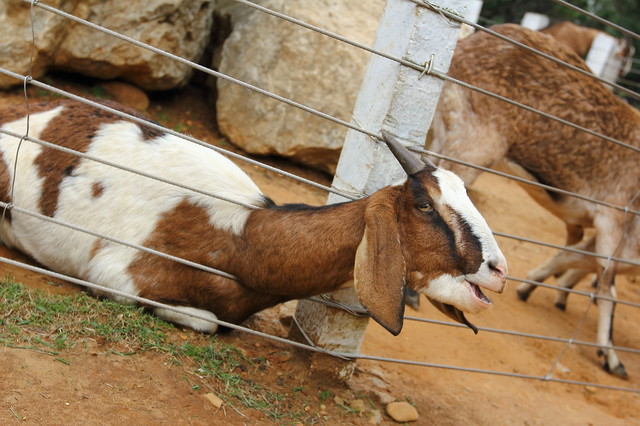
<point>409,162</point>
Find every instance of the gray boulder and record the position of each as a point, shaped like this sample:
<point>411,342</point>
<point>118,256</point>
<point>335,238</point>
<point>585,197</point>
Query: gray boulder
<point>181,27</point>
<point>299,64</point>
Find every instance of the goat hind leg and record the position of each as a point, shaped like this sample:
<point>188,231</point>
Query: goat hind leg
<point>198,323</point>
<point>568,280</point>
<point>606,308</point>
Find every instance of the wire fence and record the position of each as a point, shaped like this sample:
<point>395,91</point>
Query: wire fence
<point>425,69</point>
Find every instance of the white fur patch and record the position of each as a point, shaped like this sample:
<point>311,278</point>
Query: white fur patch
<point>453,291</point>
<point>189,321</point>
<point>27,181</point>
<point>455,196</point>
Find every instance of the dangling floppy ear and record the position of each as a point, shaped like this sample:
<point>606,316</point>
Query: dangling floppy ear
<point>412,165</point>
<point>379,268</point>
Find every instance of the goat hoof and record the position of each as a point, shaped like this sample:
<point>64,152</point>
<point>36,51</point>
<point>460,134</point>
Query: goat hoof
<point>561,306</point>
<point>523,295</point>
<point>412,299</point>
<point>618,370</point>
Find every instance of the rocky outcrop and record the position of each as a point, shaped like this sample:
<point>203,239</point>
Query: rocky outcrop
<point>299,64</point>
<point>263,50</point>
<point>181,27</point>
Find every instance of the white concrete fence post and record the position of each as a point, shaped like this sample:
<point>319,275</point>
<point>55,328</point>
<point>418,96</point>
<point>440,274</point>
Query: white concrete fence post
<point>602,58</point>
<point>397,99</point>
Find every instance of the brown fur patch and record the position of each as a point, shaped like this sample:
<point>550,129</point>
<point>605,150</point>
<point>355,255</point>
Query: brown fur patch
<point>9,115</point>
<point>302,251</point>
<point>95,248</point>
<point>97,189</point>
<point>185,232</point>
<point>74,128</point>
<point>428,240</point>
<point>576,37</point>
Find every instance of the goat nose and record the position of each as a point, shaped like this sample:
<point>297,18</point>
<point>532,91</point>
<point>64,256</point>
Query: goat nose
<point>497,267</point>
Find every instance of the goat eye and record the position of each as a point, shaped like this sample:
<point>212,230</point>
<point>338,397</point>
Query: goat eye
<point>425,207</point>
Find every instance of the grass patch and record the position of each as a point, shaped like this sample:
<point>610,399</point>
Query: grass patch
<point>54,324</point>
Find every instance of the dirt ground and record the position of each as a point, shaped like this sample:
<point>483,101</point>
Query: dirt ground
<point>101,388</point>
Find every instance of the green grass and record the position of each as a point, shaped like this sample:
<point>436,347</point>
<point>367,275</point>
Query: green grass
<point>55,324</point>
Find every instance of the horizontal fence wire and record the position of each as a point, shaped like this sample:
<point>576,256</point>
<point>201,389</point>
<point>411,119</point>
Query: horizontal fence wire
<point>526,335</point>
<point>12,207</point>
<point>421,68</point>
<point>353,127</point>
<point>418,67</point>
<point>519,179</point>
<point>199,67</point>
<point>424,67</point>
<point>354,310</point>
<point>124,168</point>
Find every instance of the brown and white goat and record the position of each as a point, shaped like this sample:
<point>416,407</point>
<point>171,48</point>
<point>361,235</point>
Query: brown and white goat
<point>482,130</point>
<point>425,233</point>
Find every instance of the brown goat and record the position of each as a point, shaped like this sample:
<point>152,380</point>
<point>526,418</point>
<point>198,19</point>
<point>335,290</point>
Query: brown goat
<point>482,130</point>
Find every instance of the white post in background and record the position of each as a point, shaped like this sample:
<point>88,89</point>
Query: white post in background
<point>535,21</point>
<point>602,58</point>
<point>397,99</point>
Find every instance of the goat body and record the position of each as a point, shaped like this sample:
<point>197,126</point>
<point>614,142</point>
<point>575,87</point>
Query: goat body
<point>425,233</point>
<point>482,130</point>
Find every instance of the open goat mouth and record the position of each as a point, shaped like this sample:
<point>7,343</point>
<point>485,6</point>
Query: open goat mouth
<point>477,293</point>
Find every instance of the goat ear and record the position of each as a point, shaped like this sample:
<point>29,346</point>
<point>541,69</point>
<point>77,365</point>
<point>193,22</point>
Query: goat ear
<point>379,267</point>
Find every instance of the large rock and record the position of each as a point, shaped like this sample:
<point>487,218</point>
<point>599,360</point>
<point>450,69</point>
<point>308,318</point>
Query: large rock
<point>181,27</point>
<point>16,48</point>
<point>301,65</point>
